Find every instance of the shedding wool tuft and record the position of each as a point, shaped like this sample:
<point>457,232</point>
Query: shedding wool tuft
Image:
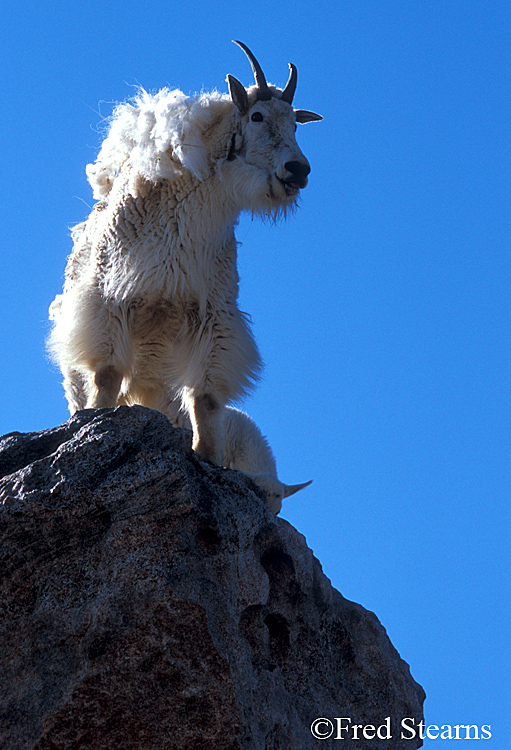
<point>161,133</point>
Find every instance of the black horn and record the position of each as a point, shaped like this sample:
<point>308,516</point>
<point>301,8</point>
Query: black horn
<point>262,86</point>
<point>289,91</point>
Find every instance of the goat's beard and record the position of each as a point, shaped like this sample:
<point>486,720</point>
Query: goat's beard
<point>275,203</point>
<point>275,214</point>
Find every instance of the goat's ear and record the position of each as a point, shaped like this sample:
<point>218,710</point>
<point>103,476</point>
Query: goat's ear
<point>303,115</point>
<point>238,94</point>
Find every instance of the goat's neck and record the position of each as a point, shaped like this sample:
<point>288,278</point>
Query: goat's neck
<point>203,212</point>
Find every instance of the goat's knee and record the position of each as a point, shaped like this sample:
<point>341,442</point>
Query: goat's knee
<point>107,384</point>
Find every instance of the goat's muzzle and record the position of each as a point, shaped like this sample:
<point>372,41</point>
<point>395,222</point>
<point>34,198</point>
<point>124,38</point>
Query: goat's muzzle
<point>299,171</point>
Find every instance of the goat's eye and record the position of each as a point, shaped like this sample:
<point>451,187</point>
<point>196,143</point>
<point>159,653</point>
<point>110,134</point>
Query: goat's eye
<point>257,117</point>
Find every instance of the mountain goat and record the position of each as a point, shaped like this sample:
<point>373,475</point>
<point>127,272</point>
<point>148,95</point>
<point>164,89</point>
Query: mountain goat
<point>248,451</point>
<point>149,310</point>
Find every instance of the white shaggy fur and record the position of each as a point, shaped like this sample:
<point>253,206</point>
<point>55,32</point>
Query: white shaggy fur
<point>248,451</point>
<point>149,310</point>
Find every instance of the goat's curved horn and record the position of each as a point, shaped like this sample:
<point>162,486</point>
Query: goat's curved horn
<point>290,489</point>
<point>262,86</point>
<point>289,91</point>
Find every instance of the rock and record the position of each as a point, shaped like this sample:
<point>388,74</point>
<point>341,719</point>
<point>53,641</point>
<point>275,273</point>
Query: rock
<point>152,601</point>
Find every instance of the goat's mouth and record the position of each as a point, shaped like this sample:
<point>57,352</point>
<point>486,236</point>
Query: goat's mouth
<point>292,187</point>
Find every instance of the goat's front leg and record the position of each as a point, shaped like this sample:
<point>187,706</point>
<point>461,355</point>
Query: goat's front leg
<point>75,386</point>
<point>105,391</point>
<point>229,365</point>
<point>207,417</point>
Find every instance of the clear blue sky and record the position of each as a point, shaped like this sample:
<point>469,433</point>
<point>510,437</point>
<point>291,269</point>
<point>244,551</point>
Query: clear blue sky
<point>381,308</point>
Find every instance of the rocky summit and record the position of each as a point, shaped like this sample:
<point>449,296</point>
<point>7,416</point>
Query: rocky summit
<point>151,601</point>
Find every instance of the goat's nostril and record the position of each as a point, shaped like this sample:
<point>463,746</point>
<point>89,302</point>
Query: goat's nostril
<point>299,169</point>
